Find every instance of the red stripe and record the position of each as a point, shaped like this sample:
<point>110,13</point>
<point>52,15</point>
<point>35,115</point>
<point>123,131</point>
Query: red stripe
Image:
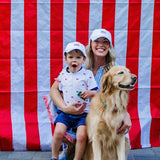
<point>132,64</point>
<point>82,21</point>
<point>56,38</point>
<point>5,84</point>
<point>56,41</point>
<point>108,16</point>
<point>155,82</point>
<point>30,74</point>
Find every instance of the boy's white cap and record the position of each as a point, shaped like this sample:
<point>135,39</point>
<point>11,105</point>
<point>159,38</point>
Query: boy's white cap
<point>75,45</point>
<point>97,33</point>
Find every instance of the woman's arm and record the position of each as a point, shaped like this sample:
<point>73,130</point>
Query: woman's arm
<point>56,96</point>
<point>59,102</point>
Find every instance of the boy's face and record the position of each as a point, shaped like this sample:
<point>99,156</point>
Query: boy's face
<point>74,60</point>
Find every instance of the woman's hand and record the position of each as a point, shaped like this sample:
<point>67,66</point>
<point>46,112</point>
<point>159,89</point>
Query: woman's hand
<point>125,125</point>
<point>73,109</point>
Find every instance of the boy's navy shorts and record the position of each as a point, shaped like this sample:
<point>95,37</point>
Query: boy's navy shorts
<point>71,121</point>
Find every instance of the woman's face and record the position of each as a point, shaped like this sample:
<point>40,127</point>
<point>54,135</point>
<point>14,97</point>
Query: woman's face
<point>100,47</point>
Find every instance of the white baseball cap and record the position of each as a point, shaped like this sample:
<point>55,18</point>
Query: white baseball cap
<point>75,45</point>
<point>97,33</point>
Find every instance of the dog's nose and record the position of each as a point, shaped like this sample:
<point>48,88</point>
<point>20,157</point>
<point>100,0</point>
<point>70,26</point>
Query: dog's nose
<point>134,78</point>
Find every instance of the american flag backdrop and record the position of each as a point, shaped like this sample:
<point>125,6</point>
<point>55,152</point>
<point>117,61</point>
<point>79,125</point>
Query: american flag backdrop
<point>33,35</point>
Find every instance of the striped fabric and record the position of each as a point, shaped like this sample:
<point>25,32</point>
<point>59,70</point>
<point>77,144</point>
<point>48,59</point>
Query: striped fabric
<point>33,35</point>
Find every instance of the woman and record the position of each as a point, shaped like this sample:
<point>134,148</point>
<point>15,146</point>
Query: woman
<point>100,58</point>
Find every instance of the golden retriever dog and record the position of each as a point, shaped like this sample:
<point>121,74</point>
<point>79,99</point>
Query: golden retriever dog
<point>107,110</point>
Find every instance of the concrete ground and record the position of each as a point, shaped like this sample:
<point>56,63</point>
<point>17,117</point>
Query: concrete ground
<point>134,154</point>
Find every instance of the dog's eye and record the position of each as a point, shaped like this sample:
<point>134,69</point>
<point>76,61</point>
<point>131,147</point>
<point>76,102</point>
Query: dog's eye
<point>121,72</point>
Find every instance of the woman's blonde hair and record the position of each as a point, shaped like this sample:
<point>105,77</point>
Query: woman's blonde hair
<point>110,58</point>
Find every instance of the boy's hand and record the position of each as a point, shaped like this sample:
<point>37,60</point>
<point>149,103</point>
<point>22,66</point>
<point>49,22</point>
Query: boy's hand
<point>88,93</point>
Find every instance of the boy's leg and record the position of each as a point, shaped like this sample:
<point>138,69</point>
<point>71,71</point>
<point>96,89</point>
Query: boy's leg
<point>59,131</point>
<point>81,137</point>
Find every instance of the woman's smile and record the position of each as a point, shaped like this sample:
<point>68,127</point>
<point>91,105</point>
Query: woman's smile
<point>100,50</point>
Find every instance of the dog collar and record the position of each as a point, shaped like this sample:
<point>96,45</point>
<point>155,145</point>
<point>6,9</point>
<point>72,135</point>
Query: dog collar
<point>104,103</point>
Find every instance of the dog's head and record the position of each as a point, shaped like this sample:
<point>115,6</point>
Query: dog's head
<point>118,77</point>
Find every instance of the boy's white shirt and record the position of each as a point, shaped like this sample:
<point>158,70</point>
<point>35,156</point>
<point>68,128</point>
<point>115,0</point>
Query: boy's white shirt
<point>72,83</point>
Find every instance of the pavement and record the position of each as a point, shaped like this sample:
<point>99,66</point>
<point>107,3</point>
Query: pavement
<point>134,154</point>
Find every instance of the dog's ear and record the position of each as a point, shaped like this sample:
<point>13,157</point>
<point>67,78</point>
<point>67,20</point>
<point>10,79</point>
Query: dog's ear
<point>106,83</point>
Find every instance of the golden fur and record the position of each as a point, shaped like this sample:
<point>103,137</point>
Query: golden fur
<point>107,110</point>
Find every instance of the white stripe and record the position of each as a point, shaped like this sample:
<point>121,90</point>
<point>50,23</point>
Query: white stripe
<point>144,75</point>
<point>43,62</point>
<point>95,15</point>
<point>17,75</point>
<point>120,33</point>
<point>121,30</point>
<point>69,23</point>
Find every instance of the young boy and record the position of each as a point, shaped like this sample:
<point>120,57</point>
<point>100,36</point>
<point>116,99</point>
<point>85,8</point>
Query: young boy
<point>76,85</point>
